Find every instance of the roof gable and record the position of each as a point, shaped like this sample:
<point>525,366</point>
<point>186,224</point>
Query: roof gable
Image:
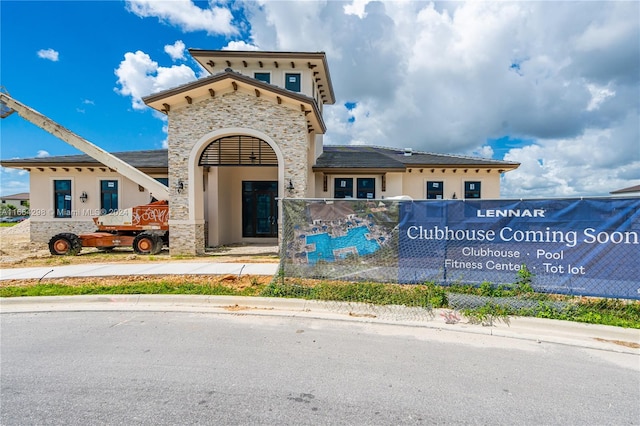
<point>230,81</point>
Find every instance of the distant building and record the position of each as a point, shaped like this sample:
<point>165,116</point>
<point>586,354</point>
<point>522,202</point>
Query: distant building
<point>16,200</point>
<point>632,191</point>
<point>238,140</point>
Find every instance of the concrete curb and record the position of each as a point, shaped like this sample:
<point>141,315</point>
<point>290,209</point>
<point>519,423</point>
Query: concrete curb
<point>605,338</point>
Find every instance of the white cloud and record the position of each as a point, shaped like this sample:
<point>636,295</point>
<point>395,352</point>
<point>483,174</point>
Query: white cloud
<point>484,151</point>
<point>186,15</point>
<point>139,76</point>
<point>559,80</point>
<point>48,54</point>
<point>594,163</point>
<point>176,50</point>
<point>13,181</point>
<point>240,45</point>
<point>356,7</point>
<point>598,95</point>
<point>85,102</point>
<point>13,172</point>
<point>561,77</point>
<point>42,154</point>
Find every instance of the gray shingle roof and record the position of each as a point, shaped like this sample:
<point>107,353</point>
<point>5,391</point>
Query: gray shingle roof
<point>355,156</point>
<point>635,188</point>
<point>19,196</point>
<point>334,157</point>
<point>358,156</point>
<point>148,159</point>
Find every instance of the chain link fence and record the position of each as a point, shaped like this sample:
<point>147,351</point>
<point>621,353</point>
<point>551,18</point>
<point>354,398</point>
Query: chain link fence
<point>504,257</point>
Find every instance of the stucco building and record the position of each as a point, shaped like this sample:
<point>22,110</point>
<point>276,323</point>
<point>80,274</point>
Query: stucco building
<point>238,140</point>
<point>17,200</point>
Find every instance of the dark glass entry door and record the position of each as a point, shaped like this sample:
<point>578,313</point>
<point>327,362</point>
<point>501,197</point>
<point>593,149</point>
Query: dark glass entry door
<point>259,209</point>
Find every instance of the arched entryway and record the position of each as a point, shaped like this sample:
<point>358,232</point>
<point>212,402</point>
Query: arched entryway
<point>241,180</point>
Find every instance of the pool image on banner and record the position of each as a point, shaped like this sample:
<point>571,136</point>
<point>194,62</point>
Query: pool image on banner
<point>340,238</point>
<point>328,248</point>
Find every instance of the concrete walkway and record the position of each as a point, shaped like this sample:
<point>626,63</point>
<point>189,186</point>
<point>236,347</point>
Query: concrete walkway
<point>128,269</point>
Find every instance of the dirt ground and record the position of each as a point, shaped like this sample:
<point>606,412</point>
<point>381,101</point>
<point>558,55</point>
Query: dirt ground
<point>16,248</point>
<point>17,251</point>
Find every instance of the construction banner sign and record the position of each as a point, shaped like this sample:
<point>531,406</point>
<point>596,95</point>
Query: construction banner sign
<point>578,246</point>
<point>586,247</point>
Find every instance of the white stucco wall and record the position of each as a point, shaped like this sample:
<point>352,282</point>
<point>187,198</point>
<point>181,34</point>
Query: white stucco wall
<point>224,220</point>
<point>44,224</point>
<point>307,86</point>
<point>414,183</point>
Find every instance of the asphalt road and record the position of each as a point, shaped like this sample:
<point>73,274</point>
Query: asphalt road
<point>161,368</point>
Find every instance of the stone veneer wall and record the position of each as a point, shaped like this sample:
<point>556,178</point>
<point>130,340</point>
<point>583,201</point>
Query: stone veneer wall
<point>41,232</point>
<point>286,126</point>
<point>186,239</point>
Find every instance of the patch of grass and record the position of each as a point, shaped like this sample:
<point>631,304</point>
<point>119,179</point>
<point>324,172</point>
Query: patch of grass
<point>140,287</point>
<point>488,314</point>
<point>486,304</point>
<point>7,224</point>
<point>619,313</point>
<point>426,296</point>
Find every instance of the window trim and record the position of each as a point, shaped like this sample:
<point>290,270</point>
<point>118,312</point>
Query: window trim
<point>468,190</point>
<point>335,183</point>
<point>262,72</point>
<point>118,192</point>
<point>364,190</point>
<point>55,198</point>
<point>355,189</point>
<point>426,195</point>
<point>286,82</point>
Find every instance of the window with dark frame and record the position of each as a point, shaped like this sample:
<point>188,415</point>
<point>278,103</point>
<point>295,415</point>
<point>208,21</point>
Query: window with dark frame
<point>343,188</point>
<point>292,82</point>
<point>472,190</point>
<point>435,190</point>
<point>108,196</point>
<point>62,198</point>
<point>263,76</point>
<point>366,188</point>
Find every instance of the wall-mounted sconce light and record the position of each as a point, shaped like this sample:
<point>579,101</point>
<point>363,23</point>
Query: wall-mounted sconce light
<point>290,186</point>
<point>180,187</point>
<point>453,197</point>
<point>83,197</point>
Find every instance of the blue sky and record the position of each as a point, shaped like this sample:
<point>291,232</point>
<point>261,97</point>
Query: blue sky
<point>553,85</point>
